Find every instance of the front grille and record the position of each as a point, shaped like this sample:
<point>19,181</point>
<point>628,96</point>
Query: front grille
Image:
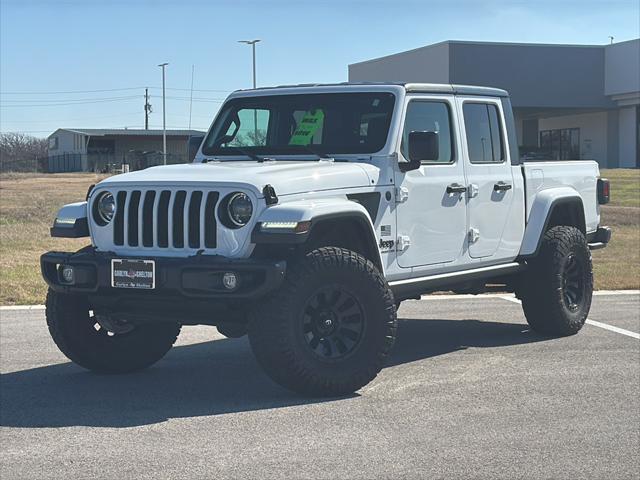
<point>165,219</point>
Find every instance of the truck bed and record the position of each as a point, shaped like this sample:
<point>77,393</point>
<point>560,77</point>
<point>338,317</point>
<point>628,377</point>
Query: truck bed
<point>578,175</point>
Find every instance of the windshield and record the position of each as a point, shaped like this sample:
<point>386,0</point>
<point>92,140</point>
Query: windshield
<point>300,124</point>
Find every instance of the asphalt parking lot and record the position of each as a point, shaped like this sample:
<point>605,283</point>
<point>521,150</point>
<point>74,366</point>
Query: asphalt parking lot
<point>470,392</point>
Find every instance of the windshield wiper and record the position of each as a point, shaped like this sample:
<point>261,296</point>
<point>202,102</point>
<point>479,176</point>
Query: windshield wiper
<point>318,153</point>
<point>247,153</point>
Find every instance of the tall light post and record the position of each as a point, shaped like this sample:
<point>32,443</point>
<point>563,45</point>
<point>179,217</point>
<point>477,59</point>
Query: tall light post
<point>255,112</point>
<point>164,118</point>
<point>253,49</point>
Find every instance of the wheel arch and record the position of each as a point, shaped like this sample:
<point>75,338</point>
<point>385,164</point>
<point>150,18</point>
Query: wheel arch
<point>337,222</point>
<point>550,208</point>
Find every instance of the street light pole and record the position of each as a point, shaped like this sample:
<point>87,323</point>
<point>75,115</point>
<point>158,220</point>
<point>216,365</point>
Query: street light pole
<point>164,117</point>
<point>253,48</point>
<point>255,112</point>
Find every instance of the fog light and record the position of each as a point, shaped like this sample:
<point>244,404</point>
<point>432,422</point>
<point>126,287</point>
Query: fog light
<point>230,281</point>
<point>67,274</point>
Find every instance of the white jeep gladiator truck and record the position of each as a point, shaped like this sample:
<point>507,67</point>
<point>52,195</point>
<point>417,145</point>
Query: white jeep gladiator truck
<point>309,213</point>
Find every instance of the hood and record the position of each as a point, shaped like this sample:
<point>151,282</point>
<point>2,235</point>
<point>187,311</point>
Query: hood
<point>287,177</point>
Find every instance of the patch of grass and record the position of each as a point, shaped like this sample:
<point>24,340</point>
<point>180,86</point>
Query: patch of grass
<point>29,203</point>
<point>625,187</point>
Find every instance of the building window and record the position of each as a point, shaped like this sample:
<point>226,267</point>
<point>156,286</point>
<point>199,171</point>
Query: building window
<point>484,135</point>
<point>560,144</point>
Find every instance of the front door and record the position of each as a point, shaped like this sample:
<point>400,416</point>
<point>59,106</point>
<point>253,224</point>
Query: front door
<point>431,210</point>
<point>489,175</point>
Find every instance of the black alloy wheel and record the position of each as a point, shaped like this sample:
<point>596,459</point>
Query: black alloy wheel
<point>573,283</point>
<point>333,322</point>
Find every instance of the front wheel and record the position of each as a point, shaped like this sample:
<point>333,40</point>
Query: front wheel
<point>557,287</point>
<point>331,326</point>
<point>78,334</point>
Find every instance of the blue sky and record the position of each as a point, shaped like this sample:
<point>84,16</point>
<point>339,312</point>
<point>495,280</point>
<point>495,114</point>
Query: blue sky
<point>72,46</point>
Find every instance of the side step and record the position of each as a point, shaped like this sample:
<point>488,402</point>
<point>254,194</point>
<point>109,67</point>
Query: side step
<point>412,287</point>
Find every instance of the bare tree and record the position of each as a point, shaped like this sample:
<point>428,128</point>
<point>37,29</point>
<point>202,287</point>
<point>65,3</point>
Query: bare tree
<point>19,151</point>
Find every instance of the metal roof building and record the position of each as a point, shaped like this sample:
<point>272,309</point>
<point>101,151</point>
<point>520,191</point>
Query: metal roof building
<point>103,149</point>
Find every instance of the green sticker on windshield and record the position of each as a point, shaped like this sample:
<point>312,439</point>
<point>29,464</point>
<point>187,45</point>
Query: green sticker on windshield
<point>307,128</point>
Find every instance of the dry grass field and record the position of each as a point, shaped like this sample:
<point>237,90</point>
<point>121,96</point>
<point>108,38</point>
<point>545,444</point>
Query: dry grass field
<point>28,204</point>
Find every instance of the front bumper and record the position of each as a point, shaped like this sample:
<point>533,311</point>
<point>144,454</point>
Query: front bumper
<point>192,277</point>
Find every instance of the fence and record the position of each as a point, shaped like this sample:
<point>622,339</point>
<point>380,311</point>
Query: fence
<point>108,163</point>
<point>24,165</point>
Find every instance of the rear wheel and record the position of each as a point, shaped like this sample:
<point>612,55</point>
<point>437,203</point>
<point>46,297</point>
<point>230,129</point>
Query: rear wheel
<point>557,287</point>
<point>113,347</point>
<point>331,326</point>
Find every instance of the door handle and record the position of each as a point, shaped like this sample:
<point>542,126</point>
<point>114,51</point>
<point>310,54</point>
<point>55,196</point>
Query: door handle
<point>502,187</point>
<point>456,188</point>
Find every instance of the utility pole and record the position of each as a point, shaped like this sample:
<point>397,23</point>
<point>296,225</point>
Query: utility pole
<point>255,112</point>
<point>164,117</point>
<point>147,109</point>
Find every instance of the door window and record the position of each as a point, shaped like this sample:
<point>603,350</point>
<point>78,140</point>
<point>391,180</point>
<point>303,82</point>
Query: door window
<point>484,135</point>
<point>428,116</point>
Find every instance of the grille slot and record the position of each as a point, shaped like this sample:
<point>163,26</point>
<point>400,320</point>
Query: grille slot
<point>132,222</point>
<point>118,221</point>
<point>165,219</point>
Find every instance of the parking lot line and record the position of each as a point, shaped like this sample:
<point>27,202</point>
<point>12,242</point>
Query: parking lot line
<point>611,328</point>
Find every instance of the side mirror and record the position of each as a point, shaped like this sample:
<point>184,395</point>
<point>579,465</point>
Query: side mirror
<point>423,146</point>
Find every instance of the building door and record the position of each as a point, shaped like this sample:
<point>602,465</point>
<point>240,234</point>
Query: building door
<point>432,220</point>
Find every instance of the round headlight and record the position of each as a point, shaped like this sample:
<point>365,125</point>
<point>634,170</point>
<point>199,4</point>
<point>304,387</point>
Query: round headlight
<point>106,207</point>
<point>239,209</point>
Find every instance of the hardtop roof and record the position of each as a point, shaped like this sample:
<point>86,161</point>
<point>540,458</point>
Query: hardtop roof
<point>409,87</point>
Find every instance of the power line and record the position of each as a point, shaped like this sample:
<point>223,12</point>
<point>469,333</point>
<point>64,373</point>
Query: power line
<point>70,100</point>
<point>42,92</point>
<point>71,91</point>
<point>82,102</point>
<point>69,120</point>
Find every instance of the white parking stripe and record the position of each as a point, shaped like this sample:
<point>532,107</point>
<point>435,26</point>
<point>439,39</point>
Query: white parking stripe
<point>616,292</point>
<point>622,331</point>
<point>611,328</point>
<point>22,307</point>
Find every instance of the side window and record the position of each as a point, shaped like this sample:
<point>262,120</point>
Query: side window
<point>484,135</point>
<point>427,116</point>
<point>252,129</point>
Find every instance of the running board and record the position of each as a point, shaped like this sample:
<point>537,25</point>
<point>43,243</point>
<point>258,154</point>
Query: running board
<point>411,287</point>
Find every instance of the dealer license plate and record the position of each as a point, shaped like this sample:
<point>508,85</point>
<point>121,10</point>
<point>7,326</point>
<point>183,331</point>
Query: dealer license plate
<point>130,273</point>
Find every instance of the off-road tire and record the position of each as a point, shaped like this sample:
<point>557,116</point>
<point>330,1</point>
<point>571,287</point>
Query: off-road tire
<point>546,284</point>
<point>277,328</point>
<point>73,331</point>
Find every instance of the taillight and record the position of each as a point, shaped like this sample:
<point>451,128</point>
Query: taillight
<point>603,191</point>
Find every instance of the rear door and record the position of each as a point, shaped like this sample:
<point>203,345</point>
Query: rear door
<point>430,218</point>
<point>489,175</point>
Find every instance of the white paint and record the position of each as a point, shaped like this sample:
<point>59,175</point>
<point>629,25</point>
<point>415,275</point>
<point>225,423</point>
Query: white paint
<point>436,223</point>
<point>606,326</point>
<point>22,307</point>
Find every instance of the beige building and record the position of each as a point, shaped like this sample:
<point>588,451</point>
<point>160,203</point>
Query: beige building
<point>87,149</point>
